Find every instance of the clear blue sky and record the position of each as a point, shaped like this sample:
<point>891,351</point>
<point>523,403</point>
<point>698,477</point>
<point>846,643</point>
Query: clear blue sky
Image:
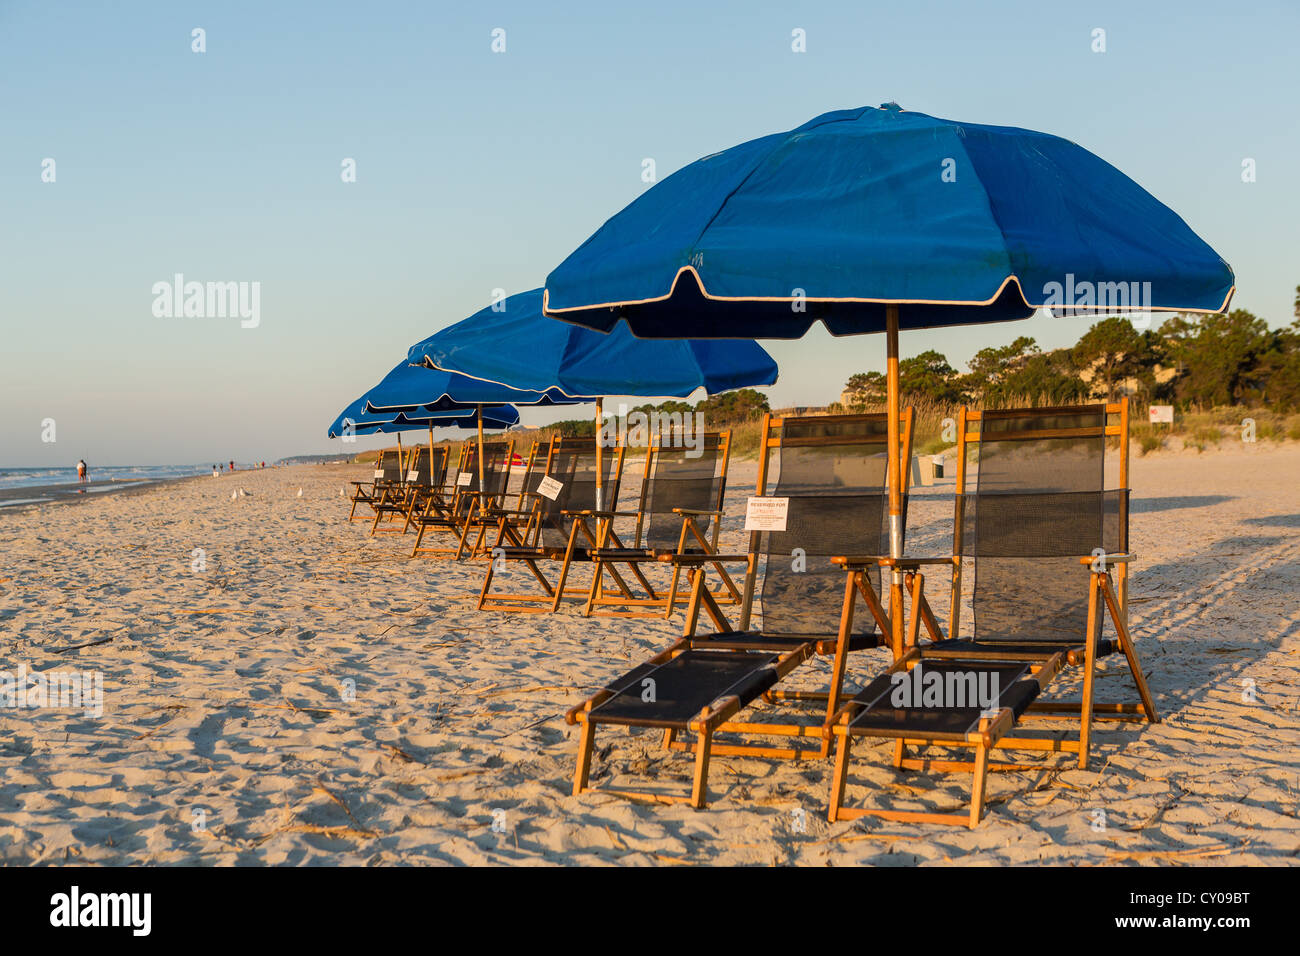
<point>479,170</point>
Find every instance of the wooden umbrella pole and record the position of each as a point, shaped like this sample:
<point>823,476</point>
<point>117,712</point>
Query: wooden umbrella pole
<point>481,490</point>
<point>401,465</point>
<point>600,476</point>
<point>895,479</point>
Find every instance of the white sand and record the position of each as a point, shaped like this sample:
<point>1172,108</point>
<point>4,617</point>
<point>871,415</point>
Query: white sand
<point>223,694</point>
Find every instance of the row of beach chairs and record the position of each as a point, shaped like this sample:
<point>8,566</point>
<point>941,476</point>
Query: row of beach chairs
<point>551,523</point>
<point>1038,536</point>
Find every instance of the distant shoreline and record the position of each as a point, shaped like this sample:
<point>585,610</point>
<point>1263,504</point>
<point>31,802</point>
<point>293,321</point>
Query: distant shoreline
<point>34,496</point>
<point>37,496</point>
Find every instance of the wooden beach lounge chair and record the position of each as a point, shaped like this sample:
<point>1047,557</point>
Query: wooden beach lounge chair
<point>394,504</point>
<point>388,475</point>
<point>425,483</point>
<point>486,511</point>
<point>460,517</point>
<point>832,480</point>
<point>545,529</point>
<point>534,469</point>
<point>1045,536</point>
<point>678,511</point>
<point>437,499</point>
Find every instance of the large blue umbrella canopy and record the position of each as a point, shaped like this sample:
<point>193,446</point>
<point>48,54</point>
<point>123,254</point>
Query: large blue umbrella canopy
<point>517,345</point>
<point>408,386</point>
<point>881,219</point>
<point>430,397</point>
<point>857,210</point>
<point>365,422</point>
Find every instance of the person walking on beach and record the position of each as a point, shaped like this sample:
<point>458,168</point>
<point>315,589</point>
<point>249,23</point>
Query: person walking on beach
<point>83,472</point>
<point>232,466</point>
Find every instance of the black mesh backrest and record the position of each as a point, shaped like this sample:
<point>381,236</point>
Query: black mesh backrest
<point>1040,504</point>
<point>680,477</point>
<point>390,463</point>
<point>534,473</point>
<point>833,470</point>
<point>573,464</point>
<point>496,469</point>
<point>438,465</point>
<point>417,468</point>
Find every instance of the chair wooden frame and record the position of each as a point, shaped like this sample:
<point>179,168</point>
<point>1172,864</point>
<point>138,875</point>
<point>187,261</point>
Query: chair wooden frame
<point>1105,599</point>
<point>611,552</point>
<point>986,736</point>
<point>420,496</point>
<point>395,503</point>
<point>719,717</point>
<point>519,538</point>
<point>437,500</point>
<point>390,464</point>
<point>515,513</point>
<point>460,516</point>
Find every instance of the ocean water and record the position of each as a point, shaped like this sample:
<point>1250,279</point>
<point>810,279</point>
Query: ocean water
<point>35,477</point>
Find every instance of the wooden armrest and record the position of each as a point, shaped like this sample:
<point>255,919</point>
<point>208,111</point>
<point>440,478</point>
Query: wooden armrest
<point>856,560</point>
<point>916,562</point>
<point>1122,557</point>
<point>862,560</point>
<point>694,512</point>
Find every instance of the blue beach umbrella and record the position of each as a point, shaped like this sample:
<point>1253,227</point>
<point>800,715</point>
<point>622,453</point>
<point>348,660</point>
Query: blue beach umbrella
<point>516,345</point>
<point>520,347</point>
<point>356,420</point>
<point>859,210</point>
<point>874,220</point>
<point>430,396</point>
<point>409,386</point>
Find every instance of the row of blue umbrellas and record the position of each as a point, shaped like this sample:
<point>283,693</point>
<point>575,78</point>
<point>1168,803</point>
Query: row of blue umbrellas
<point>512,354</point>
<point>867,220</point>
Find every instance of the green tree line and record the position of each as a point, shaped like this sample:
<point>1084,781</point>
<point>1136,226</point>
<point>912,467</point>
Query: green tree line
<point>1190,360</point>
<point>726,408</point>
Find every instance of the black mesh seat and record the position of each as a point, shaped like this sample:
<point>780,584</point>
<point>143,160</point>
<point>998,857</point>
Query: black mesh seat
<point>685,686</point>
<point>993,685</point>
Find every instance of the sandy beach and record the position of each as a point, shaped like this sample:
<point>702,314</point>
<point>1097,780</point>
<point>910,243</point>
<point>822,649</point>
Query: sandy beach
<point>229,734</point>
